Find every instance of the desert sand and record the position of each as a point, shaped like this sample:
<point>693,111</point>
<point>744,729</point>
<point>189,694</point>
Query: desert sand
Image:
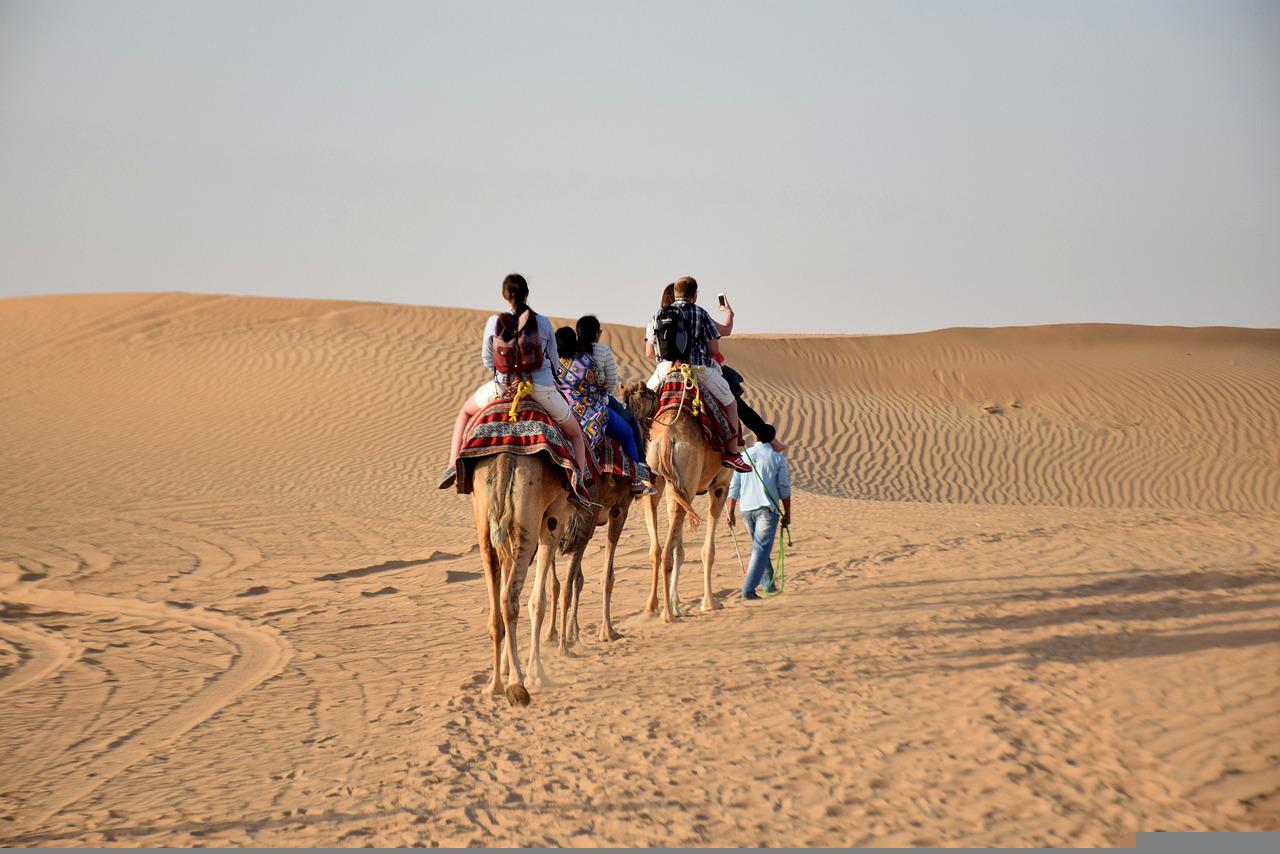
<point>1033,598</point>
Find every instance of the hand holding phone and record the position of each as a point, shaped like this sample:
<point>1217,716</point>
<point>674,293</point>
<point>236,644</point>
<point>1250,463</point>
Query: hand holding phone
<point>724,303</point>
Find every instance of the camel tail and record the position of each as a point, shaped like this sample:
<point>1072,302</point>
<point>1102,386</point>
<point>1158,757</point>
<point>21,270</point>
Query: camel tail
<point>502,513</point>
<point>577,531</point>
<point>665,465</point>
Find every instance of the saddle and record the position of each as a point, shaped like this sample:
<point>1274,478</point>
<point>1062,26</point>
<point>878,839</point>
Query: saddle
<point>515,424</point>
<point>681,392</point>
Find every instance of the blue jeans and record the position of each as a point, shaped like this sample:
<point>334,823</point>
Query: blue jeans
<point>762,525</point>
<point>617,429</point>
<point>617,408</point>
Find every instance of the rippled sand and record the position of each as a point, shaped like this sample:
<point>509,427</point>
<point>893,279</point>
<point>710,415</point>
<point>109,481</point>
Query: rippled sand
<point>1034,596</point>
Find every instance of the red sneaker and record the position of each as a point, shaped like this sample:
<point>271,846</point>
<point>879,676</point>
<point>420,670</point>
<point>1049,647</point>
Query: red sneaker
<point>735,462</point>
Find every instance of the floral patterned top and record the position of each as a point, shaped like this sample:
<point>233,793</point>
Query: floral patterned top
<point>583,384</point>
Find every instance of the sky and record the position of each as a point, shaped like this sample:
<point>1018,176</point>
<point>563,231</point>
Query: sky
<point>845,167</point>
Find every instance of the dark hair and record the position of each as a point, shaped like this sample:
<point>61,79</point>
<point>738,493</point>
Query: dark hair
<point>567,342</point>
<point>668,295</point>
<point>686,288</point>
<point>588,330</point>
<point>515,290</point>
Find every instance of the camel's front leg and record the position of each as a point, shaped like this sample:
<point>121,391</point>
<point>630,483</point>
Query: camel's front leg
<point>617,520</point>
<point>568,624</point>
<point>719,495</point>
<point>554,591</point>
<point>575,590</point>
<point>537,607</point>
<point>650,503</point>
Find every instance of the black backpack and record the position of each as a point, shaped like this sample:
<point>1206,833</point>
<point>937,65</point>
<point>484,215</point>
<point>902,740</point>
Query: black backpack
<point>672,337</point>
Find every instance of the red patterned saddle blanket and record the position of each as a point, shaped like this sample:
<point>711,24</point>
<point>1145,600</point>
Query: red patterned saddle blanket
<point>611,459</point>
<point>493,431</point>
<point>678,395</point>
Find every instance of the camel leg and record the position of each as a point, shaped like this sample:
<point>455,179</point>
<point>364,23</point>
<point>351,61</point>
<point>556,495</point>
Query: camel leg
<point>617,520</point>
<point>575,590</point>
<point>670,591</point>
<point>719,495</point>
<point>568,627</point>
<point>497,629</point>
<point>554,595</point>
<point>537,608</point>
<point>650,503</point>
<point>677,564</point>
<point>523,547</point>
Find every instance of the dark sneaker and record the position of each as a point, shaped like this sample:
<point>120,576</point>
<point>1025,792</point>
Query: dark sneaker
<point>735,462</point>
<point>450,477</point>
<point>751,596</point>
<point>770,590</point>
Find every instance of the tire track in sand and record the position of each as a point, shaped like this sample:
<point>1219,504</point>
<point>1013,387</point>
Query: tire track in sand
<point>262,652</point>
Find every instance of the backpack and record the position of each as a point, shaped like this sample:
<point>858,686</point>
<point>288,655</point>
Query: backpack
<point>517,344</point>
<point>671,335</point>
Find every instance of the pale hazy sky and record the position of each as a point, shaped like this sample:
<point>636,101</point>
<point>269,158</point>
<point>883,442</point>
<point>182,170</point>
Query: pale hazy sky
<point>835,167</point>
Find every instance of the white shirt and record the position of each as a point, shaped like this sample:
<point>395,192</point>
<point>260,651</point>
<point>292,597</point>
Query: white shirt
<point>604,360</point>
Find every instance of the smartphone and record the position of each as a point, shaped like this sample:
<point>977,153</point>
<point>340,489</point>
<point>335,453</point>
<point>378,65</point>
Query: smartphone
<point>723,302</point>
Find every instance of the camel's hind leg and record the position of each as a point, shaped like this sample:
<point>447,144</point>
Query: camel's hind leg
<point>617,520</point>
<point>650,504</point>
<point>537,608</point>
<point>492,577</point>
<point>523,548</point>
<point>719,495</point>
<point>670,576</point>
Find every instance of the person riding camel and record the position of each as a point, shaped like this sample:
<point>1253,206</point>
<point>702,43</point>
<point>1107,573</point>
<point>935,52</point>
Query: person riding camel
<point>750,419</point>
<point>684,333</point>
<point>588,331</point>
<point>531,332</point>
<point>583,380</point>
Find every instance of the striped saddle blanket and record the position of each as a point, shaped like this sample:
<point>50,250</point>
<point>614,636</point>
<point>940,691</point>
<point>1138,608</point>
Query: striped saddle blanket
<point>532,432</point>
<point>677,395</point>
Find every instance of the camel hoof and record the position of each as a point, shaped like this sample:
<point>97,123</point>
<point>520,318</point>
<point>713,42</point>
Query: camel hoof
<point>553,634</point>
<point>607,635</point>
<point>494,688</point>
<point>517,695</point>
<point>668,617</point>
<point>713,605</point>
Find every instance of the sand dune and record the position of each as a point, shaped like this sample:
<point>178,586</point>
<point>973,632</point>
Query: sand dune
<point>1033,598</point>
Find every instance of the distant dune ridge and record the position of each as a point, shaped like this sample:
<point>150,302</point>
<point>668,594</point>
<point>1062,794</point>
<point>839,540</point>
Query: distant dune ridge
<point>1034,595</point>
<point>1085,416</point>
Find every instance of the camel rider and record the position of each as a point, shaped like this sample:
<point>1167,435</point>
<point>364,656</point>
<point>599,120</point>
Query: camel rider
<point>582,379</point>
<point>588,332</point>
<point>700,336</point>
<point>750,419</point>
<point>515,290</point>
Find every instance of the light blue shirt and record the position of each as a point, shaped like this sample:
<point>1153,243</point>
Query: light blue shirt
<point>542,376</point>
<point>745,487</point>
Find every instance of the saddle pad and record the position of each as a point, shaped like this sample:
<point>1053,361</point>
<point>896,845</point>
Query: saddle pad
<point>493,432</point>
<point>674,397</point>
<point>611,459</point>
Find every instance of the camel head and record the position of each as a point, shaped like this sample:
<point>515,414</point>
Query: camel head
<point>641,403</point>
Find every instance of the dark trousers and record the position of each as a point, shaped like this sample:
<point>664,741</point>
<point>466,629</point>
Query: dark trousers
<point>750,419</point>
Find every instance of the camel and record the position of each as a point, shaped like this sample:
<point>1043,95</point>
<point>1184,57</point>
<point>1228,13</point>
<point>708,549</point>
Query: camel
<point>683,460</point>
<point>521,507</point>
<point>613,494</point>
